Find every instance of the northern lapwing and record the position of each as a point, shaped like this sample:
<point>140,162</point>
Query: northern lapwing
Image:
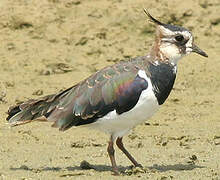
<point>119,97</point>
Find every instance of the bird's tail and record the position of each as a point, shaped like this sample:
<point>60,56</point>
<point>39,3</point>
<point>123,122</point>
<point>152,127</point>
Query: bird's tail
<point>35,110</point>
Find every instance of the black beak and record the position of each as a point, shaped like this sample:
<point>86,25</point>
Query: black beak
<point>196,49</point>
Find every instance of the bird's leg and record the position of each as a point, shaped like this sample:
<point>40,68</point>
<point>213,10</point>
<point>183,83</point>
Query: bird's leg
<point>122,148</point>
<point>111,153</point>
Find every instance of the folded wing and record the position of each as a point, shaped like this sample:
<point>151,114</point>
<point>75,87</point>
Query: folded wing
<point>114,88</point>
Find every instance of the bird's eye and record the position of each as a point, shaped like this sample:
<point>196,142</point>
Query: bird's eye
<point>179,38</point>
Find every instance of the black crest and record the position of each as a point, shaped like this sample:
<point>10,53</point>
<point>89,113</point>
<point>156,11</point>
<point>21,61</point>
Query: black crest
<point>167,26</point>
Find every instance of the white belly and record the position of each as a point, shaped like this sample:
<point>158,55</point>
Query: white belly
<point>119,125</point>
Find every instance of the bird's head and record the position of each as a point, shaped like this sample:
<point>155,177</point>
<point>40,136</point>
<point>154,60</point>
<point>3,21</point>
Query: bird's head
<point>173,42</point>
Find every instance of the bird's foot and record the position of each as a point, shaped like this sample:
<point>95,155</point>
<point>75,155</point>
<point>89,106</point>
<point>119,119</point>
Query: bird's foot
<point>138,165</point>
<point>115,172</point>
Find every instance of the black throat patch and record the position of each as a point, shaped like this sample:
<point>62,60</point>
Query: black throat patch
<point>163,76</point>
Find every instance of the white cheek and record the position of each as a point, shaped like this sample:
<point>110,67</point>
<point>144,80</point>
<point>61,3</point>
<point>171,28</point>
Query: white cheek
<point>171,52</point>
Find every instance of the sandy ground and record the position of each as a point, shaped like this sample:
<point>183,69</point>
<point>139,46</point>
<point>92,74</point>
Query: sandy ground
<point>50,45</point>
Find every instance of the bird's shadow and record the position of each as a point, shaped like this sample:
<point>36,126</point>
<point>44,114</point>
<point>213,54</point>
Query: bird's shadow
<point>102,168</point>
<point>175,167</point>
<point>99,168</point>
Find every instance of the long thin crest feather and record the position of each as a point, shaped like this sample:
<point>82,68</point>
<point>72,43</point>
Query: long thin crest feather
<point>153,19</point>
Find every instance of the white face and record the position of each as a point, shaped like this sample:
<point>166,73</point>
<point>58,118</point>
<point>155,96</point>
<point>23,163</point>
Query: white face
<point>171,51</point>
<point>172,47</point>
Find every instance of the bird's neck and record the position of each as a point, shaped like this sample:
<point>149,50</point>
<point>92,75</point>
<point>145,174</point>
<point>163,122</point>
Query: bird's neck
<point>156,54</point>
<point>165,53</point>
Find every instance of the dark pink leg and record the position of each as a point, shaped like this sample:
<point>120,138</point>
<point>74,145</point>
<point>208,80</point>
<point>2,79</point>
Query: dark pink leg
<point>130,157</point>
<point>111,153</point>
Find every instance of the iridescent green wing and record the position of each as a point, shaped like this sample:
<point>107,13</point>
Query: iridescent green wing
<point>117,87</point>
<point>114,88</point>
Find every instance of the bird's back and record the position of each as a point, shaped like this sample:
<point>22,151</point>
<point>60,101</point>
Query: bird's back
<point>88,100</point>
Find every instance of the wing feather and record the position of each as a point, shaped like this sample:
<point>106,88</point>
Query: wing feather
<point>113,88</point>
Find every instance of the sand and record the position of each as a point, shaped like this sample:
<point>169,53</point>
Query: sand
<point>49,45</point>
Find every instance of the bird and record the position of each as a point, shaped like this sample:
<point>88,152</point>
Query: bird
<point>116,98</point>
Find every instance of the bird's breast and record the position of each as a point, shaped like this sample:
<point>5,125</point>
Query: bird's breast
<point>163,77</point>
